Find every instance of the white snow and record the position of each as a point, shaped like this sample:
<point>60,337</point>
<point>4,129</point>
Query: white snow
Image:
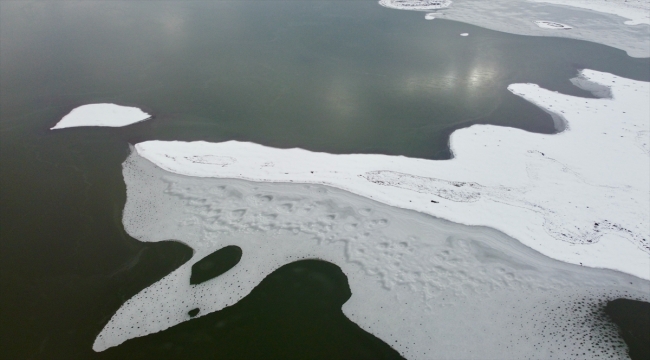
<point>638,12</point>
<point>552,25</point>
<point>430,16</point>
<point>102,115</point>
<point>415,4</point>
<point>599,21</point>
<point>423,285</point>
<point>581,196</point>
<point>464,34</point>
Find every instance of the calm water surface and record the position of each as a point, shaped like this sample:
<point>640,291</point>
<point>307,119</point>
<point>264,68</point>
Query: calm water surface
<point>341,77</point>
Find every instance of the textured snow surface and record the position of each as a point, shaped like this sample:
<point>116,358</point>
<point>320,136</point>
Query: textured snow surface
<point>580,196</point>
<point>599,21</point>
<point>102,115</point>
<point>423,285</point>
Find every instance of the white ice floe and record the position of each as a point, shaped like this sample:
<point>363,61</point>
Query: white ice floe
<point>637,11</point>
<point>599,21</point>
<point>102,115</point>
<point>421,284</point>
<point>580,196</point>
<point>552,25</point>
<point>430,16</point>
<point>464,34</point>
<point>415,4</point>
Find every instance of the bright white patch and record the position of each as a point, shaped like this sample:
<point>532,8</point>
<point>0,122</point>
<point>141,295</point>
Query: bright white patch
<point>580,196</point>
<point>421,284</point>
<point>430,16</point>
<point>552,25</point>
<point>464,34</point>
<point>102,115</point>
<point>637,11</point>
<point>415,4</point>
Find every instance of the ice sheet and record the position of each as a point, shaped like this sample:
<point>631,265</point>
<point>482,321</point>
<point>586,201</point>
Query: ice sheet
<point>637,11</point>
<point>599,21</point>
<point>580,196</point>
<point>427,287</point>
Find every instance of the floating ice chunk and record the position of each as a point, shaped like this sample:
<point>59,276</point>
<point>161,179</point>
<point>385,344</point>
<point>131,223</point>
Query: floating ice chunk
<point>580,196</point>
<point>102,115</point>
<point>430,16</point>
<point>552,25</point>
<point>464,34</point>
<point>416,4</point>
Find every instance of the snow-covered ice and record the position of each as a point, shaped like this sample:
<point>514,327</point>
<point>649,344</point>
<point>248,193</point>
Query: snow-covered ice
<point>617,23</point>
<point>430,16</point>
<point>102,115</point>
<point>464,34</point>
<point>580,196</point>
<point>637,11</point>
<point>423,285</point>
<point>415,4</point>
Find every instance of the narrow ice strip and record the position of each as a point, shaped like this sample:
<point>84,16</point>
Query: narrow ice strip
<point>580,196</point>
<point>637,11</point>
<point>415,4</point>
<point>102,115</point>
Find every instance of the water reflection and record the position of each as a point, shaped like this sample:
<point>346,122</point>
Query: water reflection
<point>327,76</point>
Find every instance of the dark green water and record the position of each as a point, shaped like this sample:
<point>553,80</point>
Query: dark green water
<point>327,76</point>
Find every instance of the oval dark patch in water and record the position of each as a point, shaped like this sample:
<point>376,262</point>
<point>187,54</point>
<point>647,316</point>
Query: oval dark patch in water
<point>193,312</point>
<point>215,264</point>
<point>633,320</point>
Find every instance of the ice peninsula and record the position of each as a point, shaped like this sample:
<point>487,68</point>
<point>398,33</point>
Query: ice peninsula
<point>102,115</point>
<point>580,196</point>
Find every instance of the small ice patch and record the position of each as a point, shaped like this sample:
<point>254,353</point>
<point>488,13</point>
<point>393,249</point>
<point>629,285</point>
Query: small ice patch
<point>552,25</point>
<point>102,115</point>
<point>464,34</point>
<point>415,4</point>
<point>430,16</point>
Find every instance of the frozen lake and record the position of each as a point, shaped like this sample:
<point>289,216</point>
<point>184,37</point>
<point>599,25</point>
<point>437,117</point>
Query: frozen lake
<point>325,76</point>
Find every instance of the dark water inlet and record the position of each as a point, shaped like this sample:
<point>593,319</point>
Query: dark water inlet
<point>633,320</point>
<point>300,301</point>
